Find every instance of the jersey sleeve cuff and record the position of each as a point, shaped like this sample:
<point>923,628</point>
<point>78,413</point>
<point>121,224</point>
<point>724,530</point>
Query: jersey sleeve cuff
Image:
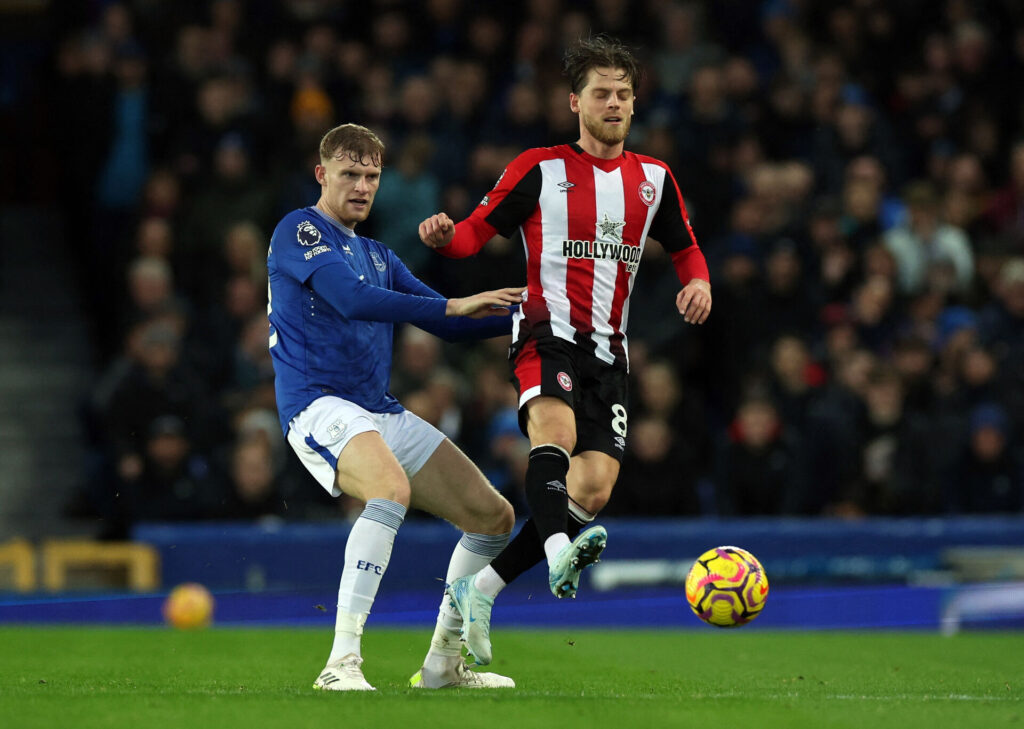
<point>470,236</point>
<point>690,264</point>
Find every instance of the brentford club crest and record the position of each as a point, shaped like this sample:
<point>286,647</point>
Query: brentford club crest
<point>565,381</point>
<point>648,192</point>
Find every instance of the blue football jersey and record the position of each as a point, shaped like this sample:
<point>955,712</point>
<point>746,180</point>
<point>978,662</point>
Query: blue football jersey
<point>316,350</point>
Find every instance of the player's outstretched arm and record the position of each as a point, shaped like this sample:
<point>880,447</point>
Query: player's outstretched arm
<point>437,231</point>
<point>694,301</point>
<point>486,303</point>
<point>455,240</point>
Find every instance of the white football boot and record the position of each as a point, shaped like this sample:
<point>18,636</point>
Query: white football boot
<point>345,674</point>
<point>457,674</point>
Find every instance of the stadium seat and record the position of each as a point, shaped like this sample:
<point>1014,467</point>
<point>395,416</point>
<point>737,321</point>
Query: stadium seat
<point>18,561</point>
<point>128,564</point>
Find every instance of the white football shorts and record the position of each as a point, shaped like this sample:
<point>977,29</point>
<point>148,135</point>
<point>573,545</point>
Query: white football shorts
<point>320,433</point>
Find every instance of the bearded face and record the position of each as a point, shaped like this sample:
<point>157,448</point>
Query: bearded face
<point>605,106</point>
<point>609,130</point>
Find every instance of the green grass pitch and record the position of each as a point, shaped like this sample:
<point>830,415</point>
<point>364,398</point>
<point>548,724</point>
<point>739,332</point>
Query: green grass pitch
<point>248,678</point>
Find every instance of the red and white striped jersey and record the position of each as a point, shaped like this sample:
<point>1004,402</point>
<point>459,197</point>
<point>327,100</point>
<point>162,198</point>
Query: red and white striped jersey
<point>584,221</point>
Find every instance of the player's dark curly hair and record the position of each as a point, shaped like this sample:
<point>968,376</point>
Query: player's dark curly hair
<point>600,51</point>
<point>357,143</point>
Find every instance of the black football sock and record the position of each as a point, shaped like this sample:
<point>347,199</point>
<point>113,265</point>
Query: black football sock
<point>545,489</point>
<point>526,549</point>
<point>578,519</point>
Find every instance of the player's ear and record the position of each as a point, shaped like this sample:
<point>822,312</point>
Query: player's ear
<point>574,103</point>
<point>320,172</point>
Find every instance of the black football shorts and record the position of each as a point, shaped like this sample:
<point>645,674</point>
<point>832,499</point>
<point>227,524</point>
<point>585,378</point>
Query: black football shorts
<point>597,392</point>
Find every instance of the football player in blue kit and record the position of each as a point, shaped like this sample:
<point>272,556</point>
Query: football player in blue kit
<point>334,297</point>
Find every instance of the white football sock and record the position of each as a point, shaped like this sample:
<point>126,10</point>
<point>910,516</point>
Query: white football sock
<point>348,631</point>
<point>489,582</point>
<point>554,544</point>
<point>367,553</point>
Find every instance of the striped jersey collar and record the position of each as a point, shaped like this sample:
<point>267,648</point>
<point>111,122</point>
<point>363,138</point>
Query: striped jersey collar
<point>604,164</point>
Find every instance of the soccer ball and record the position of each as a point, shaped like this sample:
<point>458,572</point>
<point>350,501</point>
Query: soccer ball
<point>189,606</point>
<point>726,587</point>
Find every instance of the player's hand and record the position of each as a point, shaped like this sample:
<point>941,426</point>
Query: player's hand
<point>437,231</point>
<point>694,301</point>
<point>487,303</point>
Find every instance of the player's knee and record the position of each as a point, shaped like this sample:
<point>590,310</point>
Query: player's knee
<point>592,501</point>
<point>594,489</point>
<point>392,489</point>
<point>497,517</point>
<point>401,493</point>
<point>563,437</point>
<point>596,502</point>
<point>504,519</point>
<point>551,421</point>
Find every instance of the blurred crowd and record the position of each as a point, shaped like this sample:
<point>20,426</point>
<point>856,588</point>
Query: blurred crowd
<point>854,172</point>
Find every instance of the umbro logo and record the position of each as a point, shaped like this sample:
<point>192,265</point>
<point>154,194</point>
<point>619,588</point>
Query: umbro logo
<point>566,186</point>
<point>556,486</point>
<point>347,250</point>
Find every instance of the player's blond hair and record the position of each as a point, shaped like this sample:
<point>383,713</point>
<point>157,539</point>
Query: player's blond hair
<point>356,142</point>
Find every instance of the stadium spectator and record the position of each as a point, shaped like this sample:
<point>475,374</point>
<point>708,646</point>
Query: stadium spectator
<point>255,490</point>
<point>684,49</point>
<point>124,171</point>
<point>789,302</point>
<point>661,394</point>
<point>926,242</point>
<point>1002,321</point>
<point>174,481</point>
<point>896,468</point>
<point>411,193</point>
<point>758,465</point>
<point>988,476</point>
<point>793,382</point>
<point>233,194</point>
<point>661,470</point>
<point>154,382</point>
<point>154,238</point>
<point>1005,212</point>
<point>914,359</point>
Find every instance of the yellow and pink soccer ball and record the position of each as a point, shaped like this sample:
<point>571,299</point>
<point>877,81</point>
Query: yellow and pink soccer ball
<point>188,606</point>
<point>726,587</point>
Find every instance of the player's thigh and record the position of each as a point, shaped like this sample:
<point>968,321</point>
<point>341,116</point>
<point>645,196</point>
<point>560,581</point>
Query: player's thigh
<point>340,444</point>
<point>545,376</point>
<point>450,486</point>
<point>367,469</point>
<point>550,420</point>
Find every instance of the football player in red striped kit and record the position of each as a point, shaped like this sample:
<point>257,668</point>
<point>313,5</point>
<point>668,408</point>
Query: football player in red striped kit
<point>584,211</point>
